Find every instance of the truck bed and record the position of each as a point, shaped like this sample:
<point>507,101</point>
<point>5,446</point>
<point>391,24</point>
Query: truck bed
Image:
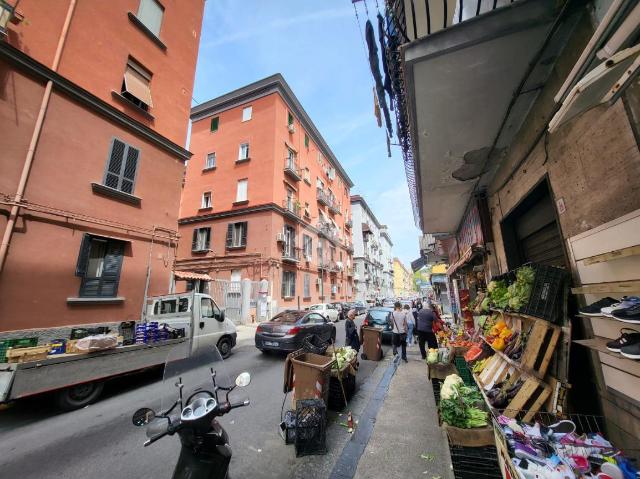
<point>18,380</point>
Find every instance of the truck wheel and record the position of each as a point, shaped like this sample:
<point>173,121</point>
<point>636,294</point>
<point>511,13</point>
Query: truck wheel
<point>78,396</point>
<point>224,346</point>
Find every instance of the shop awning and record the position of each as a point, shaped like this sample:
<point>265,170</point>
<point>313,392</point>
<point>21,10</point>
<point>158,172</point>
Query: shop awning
<point>189,275</point>
<point>469,254</point>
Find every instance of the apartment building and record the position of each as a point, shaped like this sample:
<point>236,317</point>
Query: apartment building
<point>402,279</point>
<point>94,106</point>
<point>372,251</point>
<point>265,198</point>
<point>386,247</point>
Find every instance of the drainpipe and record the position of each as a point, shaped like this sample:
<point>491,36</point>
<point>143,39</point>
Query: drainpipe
<point>4,246</point>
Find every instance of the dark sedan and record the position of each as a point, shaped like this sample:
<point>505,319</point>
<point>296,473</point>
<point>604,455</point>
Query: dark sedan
<point>381,318</point>
<point>286,330</point>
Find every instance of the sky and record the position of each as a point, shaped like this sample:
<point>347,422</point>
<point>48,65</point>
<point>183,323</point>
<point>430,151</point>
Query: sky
<point>317,45</point>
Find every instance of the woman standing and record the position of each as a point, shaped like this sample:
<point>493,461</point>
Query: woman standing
<point>351,332</point>
<point>399,325</point>
<point>410,324</point>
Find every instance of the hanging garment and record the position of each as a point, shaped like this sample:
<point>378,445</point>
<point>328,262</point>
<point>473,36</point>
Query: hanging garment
<point>383,55</point>
<point>376,108</point>
<point>375,70</point>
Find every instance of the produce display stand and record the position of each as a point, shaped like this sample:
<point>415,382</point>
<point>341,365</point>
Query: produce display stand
<point>476,437</point>
<point>440,370</point>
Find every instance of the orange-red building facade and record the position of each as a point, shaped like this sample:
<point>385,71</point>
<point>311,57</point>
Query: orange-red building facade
<point>265,197</point>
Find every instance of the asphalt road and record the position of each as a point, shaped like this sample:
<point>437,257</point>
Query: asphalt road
<point>99,441</point>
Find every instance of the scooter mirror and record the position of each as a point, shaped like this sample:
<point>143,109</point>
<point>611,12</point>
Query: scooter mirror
<point>243,379</point>
<point>143,416</point>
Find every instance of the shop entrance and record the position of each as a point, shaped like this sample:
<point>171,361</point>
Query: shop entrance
<point>531,232</point>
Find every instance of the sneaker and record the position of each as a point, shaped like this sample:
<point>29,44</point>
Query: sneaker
<point>624,303</point>
<point>594,308</point>
<point>628,315</point>
<point>631,352</point>
<point>625,339</point>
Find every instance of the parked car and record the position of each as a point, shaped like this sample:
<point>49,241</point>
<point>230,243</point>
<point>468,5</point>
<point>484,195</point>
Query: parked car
<point>286,330</point>
<point>388,303</point>
<point>329,311</point>
<point>381,318</point>
<point>360,307</point>
<point>343,309</point>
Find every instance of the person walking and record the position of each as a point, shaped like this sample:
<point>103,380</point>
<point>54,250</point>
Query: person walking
<point>351,332</point>
<point>399,325</point>
<point>424,328</point>
<point>410,324</point>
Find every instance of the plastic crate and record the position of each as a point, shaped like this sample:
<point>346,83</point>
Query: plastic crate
<point>311,427</point>
<point>336,396</point>
<point>15,343</point>
<point>547,293</point>
<point>463,371</point>
<point>437,385</point>
<point>473,462</point>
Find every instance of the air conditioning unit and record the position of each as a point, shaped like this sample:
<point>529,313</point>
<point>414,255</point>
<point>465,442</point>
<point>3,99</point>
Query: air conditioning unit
<point>291,127</point>
<point>280,237</point>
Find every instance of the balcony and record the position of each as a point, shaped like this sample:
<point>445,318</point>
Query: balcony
<point>335,207</point>
<point>322,196</point>
<point>468,73</point>
<point>291,169</point>
<point>328,231</point>
<point>292,208</point>
<point>348,223</point>
<point>290,254</point>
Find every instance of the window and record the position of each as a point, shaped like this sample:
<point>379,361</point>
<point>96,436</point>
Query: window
<point>121,167</point>
<point>237,235</point>
<point>292,158</point>
<point>319,183</point>
<point>241,191</point>
<point>316,319</point>
<point>288,284</point>
<point>99,264</point>
<point>201,239</point>
<point>306,175</point>
<point>215,122</point>
<point>307,246</point>
<point>289,241</point>
<point>306,141</point>
<point>246,113</point>
<point>206,308</point>
<point>206,200</point>
<point>150,14</point>
<point>136,85</point>
<point>243,153</point>
<point>307,285</point>
<point>210,162</point>
<point>307,210</point>
<point>289,119</point>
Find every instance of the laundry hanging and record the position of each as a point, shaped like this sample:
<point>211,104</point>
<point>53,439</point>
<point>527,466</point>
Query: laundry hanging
<point>375,70</point>
<point>383,55</point>
<point>376,108</point>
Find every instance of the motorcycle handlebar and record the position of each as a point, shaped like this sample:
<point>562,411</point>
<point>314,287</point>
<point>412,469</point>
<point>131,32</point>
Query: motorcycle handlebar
<point>246,402</point>
<point>155,438</point>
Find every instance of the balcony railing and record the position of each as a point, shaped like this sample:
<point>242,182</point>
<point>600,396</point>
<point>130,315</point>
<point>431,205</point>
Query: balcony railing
<point>328,231</point>
<point>292,207</point>
<point>335,207</point>
<point>348,223</point>
<point>290,254</point>
<point>291,169</point>
<point>322,196</point>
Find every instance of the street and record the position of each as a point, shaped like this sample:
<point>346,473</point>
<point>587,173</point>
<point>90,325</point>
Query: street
<point>99,441</point>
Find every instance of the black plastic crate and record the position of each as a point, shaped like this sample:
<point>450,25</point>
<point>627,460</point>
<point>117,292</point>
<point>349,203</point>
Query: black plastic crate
<point>336,396</point>
<point>547,294</point>
<point>288,427</point>
<point>474,462</point>
<point>311,427</point>
<point>437,385</point>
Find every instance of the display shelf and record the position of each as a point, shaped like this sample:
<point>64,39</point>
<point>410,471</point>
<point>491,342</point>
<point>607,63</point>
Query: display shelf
<point>612,255</point>
<point>612,287</point>
<point>524,371</point>
<point>600,344</point>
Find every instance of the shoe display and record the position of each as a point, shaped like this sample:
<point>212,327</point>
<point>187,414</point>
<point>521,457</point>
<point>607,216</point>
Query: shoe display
<point>632,351</point>
<point>624,303</point>
<point>594,308</point>
<point>628,315</point>
<point>626,339</point>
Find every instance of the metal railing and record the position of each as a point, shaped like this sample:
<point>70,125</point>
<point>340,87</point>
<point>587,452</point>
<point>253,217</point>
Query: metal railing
<point>328,231</point>
<point>292,206</point>
<point>291,168</point>
<point>290,253</point>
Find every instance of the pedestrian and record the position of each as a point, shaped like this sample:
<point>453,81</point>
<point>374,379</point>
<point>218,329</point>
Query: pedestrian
<point>418,305</point>
<point>351,332</point>
<point>399,325</point>
<point>424,328</point>
<point>410,324</point>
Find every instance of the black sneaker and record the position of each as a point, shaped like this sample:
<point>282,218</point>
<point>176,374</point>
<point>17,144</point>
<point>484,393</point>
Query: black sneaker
<point>632,351</point>
<point>628,315</point>
<point>594,308</point>
<point>625,339</point>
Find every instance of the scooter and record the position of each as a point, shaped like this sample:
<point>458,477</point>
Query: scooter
<point>205,451</point>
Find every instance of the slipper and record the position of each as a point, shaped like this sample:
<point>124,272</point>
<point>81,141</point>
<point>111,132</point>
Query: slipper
<point>611,470</point>
<point>581,464</point>
<point>563,427</point>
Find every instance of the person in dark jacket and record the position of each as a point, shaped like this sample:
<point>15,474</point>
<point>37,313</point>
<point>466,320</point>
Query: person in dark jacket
<point>351,331</point>
<point>424,329</point>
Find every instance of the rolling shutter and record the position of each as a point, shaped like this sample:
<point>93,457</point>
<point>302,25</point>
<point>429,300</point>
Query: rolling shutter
<point>539,236</point>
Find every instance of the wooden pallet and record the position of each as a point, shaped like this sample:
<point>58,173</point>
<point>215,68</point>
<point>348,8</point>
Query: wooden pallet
<point>540,347</point>
<point>24,355</point>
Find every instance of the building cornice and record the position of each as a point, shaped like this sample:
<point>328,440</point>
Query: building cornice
<point>82,96</point>
<point>267,86</point>
<point>359,199</point>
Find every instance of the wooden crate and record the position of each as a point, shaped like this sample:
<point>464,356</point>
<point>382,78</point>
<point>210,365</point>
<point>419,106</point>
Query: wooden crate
<point>24,355</point>
<point>540,347</point>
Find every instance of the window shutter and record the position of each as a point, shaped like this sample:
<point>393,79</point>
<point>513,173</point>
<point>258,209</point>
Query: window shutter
<point>114,167</point>
<point>112,266</point>
<point>284,284</point>
<point>129,171</point>
<point>293,284</point>
<point>243,240</point>
<point>229,235</point>
<point>215,121</point>
<point>207,242</point>
<point>194,242</point>
<point>83,255</point>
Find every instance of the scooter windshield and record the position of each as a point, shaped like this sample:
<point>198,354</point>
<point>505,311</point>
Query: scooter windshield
<point>188,372</point>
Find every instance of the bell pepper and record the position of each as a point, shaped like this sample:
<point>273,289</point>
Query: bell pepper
<point>498,344</point>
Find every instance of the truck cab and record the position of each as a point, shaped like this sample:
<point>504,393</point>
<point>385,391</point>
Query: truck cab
<point>198,314</point>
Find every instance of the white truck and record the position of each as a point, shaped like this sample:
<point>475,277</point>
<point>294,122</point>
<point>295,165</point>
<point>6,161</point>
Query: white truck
<point>78,379</point>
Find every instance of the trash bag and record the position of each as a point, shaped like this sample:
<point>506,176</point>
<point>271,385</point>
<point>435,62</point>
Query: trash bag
<point>313,344</point>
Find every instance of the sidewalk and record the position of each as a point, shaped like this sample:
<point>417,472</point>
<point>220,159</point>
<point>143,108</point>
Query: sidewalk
<point>246,332</point>
<point>406,427</point>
